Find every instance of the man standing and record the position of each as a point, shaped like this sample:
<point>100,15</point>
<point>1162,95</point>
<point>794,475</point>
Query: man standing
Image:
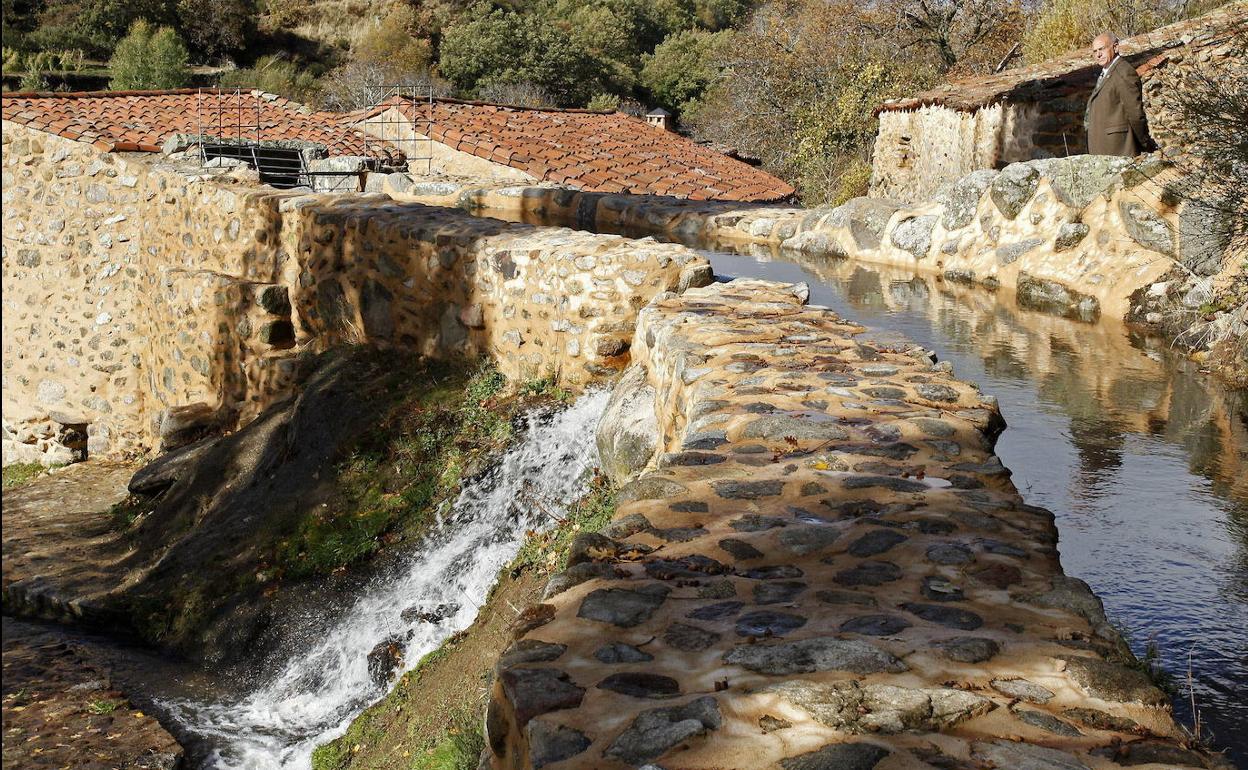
<point>1115,114</point>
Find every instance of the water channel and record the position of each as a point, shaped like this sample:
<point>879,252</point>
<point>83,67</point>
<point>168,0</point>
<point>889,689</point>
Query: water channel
<point>1143,459</point>
<point>1141,455</point>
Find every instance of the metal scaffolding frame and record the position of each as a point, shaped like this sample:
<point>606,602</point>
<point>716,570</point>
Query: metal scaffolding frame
<point>230,125</point>
<point>408,133</point>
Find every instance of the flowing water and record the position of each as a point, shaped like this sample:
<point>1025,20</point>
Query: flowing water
<point>1143,459</point>
<point>314,697</point>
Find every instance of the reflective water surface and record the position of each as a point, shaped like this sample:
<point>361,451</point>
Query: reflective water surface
<point>1143,459</point>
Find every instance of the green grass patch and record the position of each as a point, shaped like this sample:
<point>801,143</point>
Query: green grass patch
<point>126,512</point>
<point>99,707</point>
<point>548,551</point>
<point>396,481</point>
<point>450,739</point>
<point>19,474</point>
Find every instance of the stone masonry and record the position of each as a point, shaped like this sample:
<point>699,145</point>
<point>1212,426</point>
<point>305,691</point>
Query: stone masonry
<point>146,299</point>
<point>1085,231</point>
<point>821,565</point>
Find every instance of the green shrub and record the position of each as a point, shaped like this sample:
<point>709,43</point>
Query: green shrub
<point>604,102</point>
<point>682,67</point>
<point>33,80</point>
<point>149,58</point>
<point>275,75</point>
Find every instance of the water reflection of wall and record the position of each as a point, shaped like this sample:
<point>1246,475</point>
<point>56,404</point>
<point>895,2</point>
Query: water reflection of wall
<point>1110,383</point>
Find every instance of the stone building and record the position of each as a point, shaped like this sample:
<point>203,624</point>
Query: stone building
<point>150,295</point>
<point>1035,112</point>
<point>607,152</point>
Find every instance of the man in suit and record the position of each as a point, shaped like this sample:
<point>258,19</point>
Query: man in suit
<point>1115,114</point>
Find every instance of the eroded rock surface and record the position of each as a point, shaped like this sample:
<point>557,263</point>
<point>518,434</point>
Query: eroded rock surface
<point>857,581</point>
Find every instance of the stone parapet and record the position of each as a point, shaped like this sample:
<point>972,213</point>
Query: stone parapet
<point>689,221</point>
<point>141,294</point>
<point>822,565</point>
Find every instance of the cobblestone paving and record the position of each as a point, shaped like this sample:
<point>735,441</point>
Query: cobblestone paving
<point>825,566</point>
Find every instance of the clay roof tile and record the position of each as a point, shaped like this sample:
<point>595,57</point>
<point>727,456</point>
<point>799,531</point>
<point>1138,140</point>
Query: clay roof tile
<point>596,151</point>
<point>140,121</point>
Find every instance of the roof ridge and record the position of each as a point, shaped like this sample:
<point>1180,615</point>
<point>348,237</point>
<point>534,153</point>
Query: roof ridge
<point>504,105</point>
<point>150,92</point>
<point>96,94</point>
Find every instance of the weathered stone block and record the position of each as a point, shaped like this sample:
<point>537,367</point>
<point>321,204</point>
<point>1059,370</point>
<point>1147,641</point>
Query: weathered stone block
<point>865,218</point>
<point>628,434</point>
<point>1069,236</point>
<point>961,199</point>
<point>1013,187</point>
<point>1010,253</point>
<point>914,235</point>
<point>1147,227</point>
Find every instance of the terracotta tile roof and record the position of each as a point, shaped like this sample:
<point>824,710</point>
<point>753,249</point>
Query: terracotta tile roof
<point>1056,77</point>
<point>590,150</point>
<point>141,121</point>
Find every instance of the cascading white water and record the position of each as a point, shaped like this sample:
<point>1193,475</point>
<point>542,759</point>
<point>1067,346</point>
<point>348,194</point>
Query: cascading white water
<point>316,695</point>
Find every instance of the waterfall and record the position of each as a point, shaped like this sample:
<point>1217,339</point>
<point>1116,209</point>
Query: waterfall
<point>318,692</point>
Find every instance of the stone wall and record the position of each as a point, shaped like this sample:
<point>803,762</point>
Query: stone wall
<point>688,221</point>
<point>937,138</point>
<point>145,300</point>
<point>822,565</point>
<point>1079,234</point>
<point>917,151</point>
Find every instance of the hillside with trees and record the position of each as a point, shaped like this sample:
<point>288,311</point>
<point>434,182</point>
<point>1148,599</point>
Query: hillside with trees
<point>792,83</point>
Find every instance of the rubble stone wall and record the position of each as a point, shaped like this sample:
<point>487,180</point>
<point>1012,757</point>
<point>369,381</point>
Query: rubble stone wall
<point>143,299</point>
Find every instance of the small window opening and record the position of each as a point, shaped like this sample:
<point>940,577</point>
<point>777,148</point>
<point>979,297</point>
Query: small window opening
<point>280,167</point>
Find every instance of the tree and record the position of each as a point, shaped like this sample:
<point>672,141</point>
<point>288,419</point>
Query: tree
<point>835,133</point>
<point>682,67</point>
<point>216,28</point>
<point>958,36</point>
<point>95,26</point>
<point>149,59</point>
<point>395,43</point>
<point>1065,25</point>
<point>504,47</point>
<point>798,86</point>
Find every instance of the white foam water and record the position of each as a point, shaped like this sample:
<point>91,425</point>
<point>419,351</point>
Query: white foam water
<point>316,695</point>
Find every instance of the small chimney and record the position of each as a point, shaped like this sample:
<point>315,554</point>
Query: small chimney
<point>660,118</point>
